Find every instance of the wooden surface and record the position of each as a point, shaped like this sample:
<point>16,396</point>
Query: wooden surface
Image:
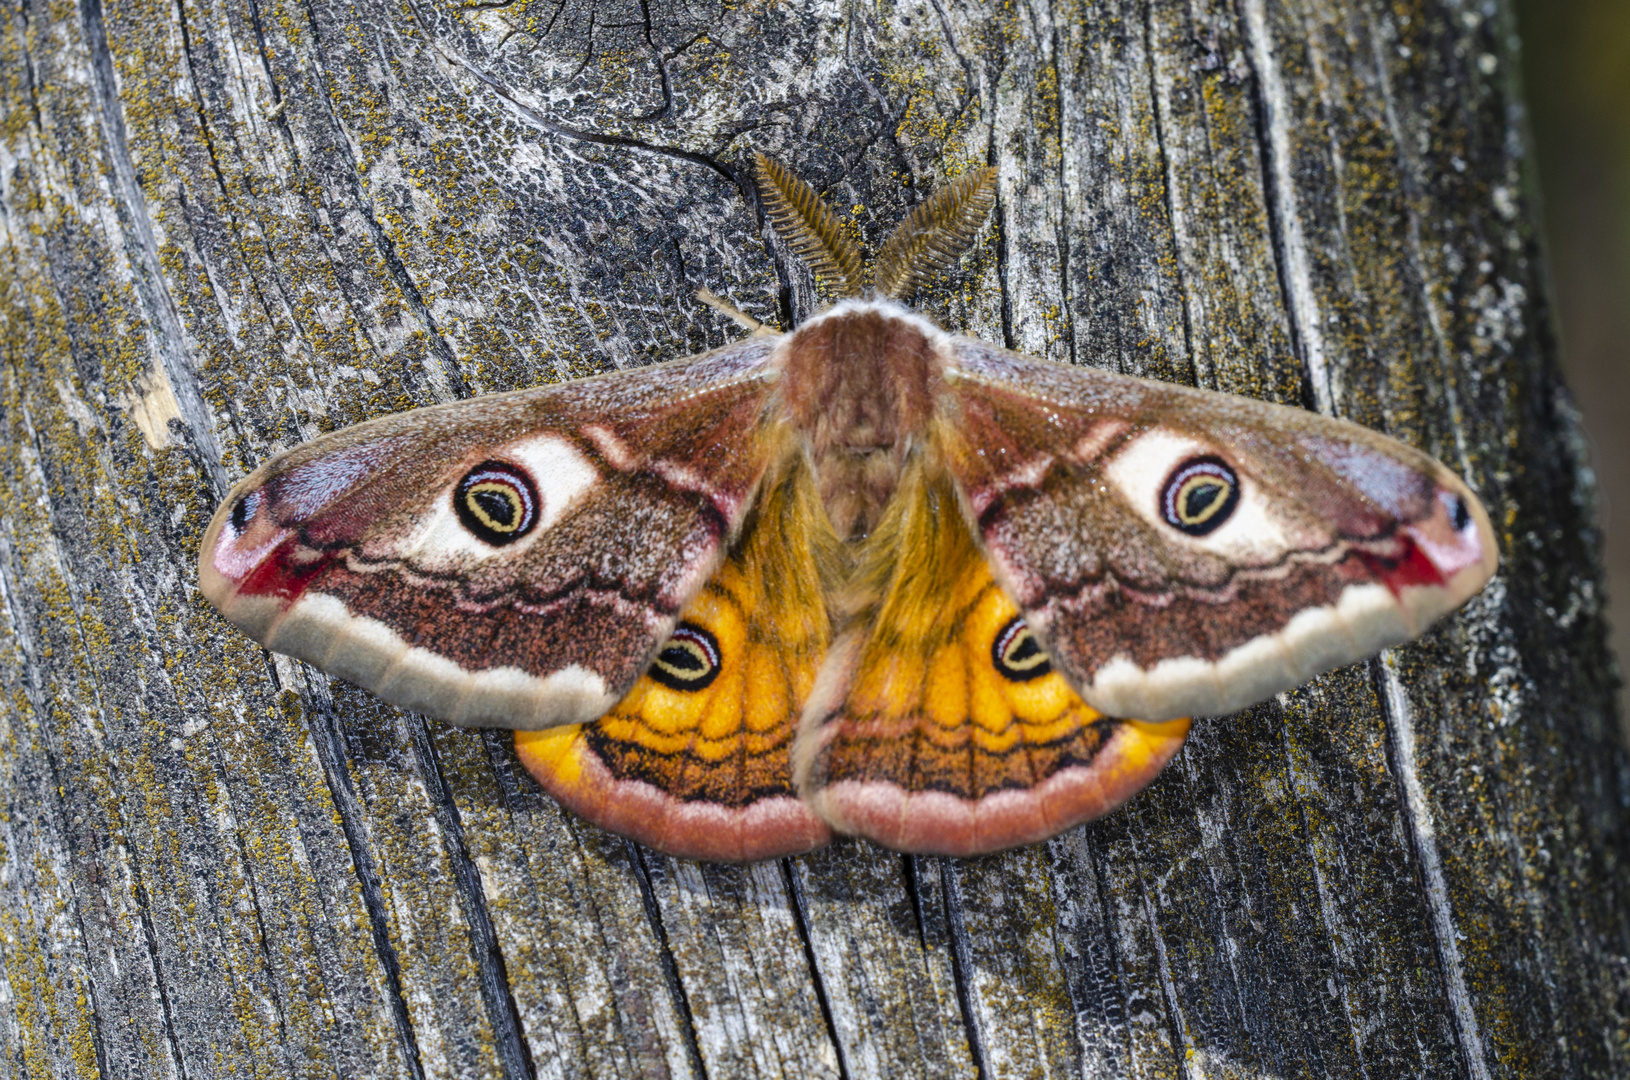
<point>229,225</point>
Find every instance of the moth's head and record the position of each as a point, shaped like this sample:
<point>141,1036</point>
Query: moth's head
<point>928,242</point>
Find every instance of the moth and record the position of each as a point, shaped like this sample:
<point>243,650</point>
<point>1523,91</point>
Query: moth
<point>864,577</point>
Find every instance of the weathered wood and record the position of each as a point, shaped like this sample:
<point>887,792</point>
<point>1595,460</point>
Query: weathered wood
<point>229,226</point>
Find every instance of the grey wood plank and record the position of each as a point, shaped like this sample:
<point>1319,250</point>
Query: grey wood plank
<point>228,227</point>
<point>733,935</point>
<point>583,961</point>
<point>174,899</point>
<point>875,931</point>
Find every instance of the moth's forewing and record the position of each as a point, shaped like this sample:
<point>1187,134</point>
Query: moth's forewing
<point>512,560</point>
<point>1184,552</point>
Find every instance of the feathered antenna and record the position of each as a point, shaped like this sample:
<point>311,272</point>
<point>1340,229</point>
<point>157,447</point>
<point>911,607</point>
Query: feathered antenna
<point>933,237</point>
<point>810,228</point>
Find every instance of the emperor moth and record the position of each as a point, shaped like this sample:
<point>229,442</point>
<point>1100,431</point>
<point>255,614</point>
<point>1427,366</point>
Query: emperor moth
<point>866,576</point>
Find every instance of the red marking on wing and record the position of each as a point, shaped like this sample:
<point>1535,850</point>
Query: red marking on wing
<point>1412,569</point>
<point>280,576</point>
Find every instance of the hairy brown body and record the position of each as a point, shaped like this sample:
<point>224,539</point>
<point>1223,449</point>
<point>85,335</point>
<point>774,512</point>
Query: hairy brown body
<point>859,384</point>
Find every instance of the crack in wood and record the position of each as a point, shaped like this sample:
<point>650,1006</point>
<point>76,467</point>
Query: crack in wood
<point>670,969</point>
<point>152,285</point>
<point>513,1053</point>
<point>800,912</point>
<point>1400,720</point>
<point>1283,225</point>
<point>962,967</point>
<point>329,744</point>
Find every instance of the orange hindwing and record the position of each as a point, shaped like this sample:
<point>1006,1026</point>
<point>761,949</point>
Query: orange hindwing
<point>696,759</point>
<point>940,725</point>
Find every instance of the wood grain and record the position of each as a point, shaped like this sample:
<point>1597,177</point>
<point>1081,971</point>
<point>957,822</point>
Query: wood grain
<point>231,225</point>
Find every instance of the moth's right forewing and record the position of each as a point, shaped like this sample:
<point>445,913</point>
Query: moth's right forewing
<point>511,560</point>
<point>1182,551</point>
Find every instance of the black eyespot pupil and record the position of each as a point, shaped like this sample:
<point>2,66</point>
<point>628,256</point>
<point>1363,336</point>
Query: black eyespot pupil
<point>1025,650</point>
<point>1017,654</point>
<point>689,660</point>
<point>498,506</point>
<point>679,659</point>
<point>1460,514</point>
<point>1199,496</point>
<point>240,515</point>
<point>497,502</point>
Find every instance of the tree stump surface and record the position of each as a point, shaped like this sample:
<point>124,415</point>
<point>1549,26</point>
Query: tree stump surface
<point>230,225</point>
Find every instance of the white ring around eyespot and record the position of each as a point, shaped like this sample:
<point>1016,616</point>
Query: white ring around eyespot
<point>558,471</point>
<point>1140,471</point>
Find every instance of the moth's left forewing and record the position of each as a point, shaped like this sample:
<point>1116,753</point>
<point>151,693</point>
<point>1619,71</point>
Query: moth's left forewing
<point>512,560</point>
<point>1182,551</point>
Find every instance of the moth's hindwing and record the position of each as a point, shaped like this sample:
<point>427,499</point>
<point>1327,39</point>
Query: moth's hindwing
<point>939,726</point>
<point>696,760</point>
<point>512,560</point>
<point>1181,551</point>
